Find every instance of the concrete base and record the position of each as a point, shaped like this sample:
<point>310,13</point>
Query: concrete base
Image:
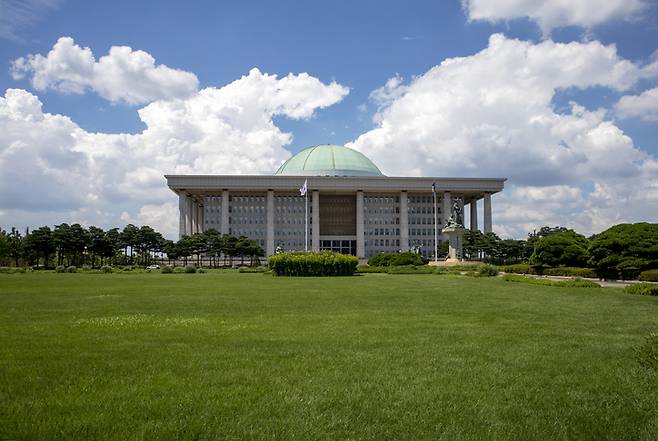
<point>455,234</point>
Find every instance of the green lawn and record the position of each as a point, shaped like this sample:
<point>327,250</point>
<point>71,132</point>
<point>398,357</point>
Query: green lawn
<point>376,357</point>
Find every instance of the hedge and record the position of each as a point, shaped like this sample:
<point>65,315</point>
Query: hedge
<point>649,275</point>
<point>519,268</point>
<point>396,259</point>
<point>571,271</point>
<point>642,289</point>
<point>371,269</point>
<point>412,269</point>
<point>322,263</point>
<point>578,283</point>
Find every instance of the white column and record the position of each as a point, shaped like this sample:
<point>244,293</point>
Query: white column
<point>224,227</point>
<point>360,235</point>
<point>269,233</point>
<point>182,208</point>
<point>195,213</point>
<point>446,209</point>
<point>461,209</point>
<point>404,221</point>
<point>188,216</point>
<point>474,214</point>
<point>487,213</point>
<point>201,217</point>
<point>315,237</point>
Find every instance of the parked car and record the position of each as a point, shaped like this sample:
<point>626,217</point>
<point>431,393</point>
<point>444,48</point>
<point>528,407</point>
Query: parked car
<point>153,267</point>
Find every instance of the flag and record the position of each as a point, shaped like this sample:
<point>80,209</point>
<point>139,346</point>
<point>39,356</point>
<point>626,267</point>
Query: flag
<point>433,187</point>
<point>303,188</point>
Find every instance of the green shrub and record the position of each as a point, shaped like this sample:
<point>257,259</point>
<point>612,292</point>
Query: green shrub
<point>649,275</point>
<point>106,269</point>
<point>381,259</point>
<point>371,269</point>
<point>253,269</point>
<point>190,269</point>
<point>487,270</point>
<point>179,269</point>
<point>313,264</point>
<point>166,270</point>
<point>19,270</point>
<point>647,353</point>
<point>571,271</point>
<point>577,283</point>
<point>72,269</point>
<point>519,268</point>
<point>642,289</point>
<point>86,267</point>
<point>412,269</point>
<point>401,259</point>
<point>60,269</point>
<point>201,271</point>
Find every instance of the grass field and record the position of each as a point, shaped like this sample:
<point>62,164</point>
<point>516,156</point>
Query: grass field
<point>373,357</point>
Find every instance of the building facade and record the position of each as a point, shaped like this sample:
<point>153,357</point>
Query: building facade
<point>350,206</point>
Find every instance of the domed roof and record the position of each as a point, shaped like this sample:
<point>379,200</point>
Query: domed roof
<point>329,160</point>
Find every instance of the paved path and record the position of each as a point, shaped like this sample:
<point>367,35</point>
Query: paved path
<point>603,283</point>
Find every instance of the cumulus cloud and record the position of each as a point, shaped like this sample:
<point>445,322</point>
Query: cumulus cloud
<point>491,114</point>
<point>551,14</point>
<point>643,106</point>
<point>124,75</point>
<point>56,171</point>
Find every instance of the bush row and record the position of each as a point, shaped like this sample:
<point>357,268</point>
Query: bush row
<point>396,259</point>
<point>643,289</point>
<point>577,283</point>
<point>313,264</point>
<point>469,270</point>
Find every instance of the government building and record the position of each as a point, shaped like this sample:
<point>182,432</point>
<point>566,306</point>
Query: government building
<point>349,206</point>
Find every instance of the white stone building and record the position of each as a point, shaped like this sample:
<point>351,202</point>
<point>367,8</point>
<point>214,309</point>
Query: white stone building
<point>352,207</point>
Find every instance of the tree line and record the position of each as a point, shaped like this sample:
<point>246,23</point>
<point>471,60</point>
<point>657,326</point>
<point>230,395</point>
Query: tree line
<point>75,245</point>
<point>622,251</point>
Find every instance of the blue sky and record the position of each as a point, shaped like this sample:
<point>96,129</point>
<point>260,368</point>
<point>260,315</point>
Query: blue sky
<point>358,45</point>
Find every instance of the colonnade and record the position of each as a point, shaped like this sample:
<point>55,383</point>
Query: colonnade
<point>192,217</point>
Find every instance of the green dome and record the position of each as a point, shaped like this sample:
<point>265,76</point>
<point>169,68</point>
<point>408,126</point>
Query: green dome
<point>329,160</point>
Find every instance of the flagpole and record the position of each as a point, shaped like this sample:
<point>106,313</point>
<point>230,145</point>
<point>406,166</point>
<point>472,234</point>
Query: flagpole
<point>436,226</point>
<point>306,219</point>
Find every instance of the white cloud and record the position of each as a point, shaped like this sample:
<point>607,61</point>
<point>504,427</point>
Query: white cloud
<point>551,14</point>
<point>55,171</point>
<point>123,75</point>
<point>491,114</point>
<point>643,106</point>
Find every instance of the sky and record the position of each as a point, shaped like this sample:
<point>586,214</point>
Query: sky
<point>98,100</point>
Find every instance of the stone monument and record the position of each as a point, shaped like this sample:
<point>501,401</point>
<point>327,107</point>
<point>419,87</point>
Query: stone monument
<point>454,230</point>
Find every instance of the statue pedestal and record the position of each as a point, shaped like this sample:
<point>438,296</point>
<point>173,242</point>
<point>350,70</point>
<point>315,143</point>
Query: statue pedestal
<point>455,236</point>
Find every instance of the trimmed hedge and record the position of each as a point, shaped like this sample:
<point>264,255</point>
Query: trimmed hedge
<point>371,269</point>
<point>304,264</point>
<point>190,269</point>
<point>519,268</point>
<point>72,269</point>
<point>106,269</point>
<point>396,259</point>
<point>166,269</point>
<point>253,269</point>
<point>571,271</point>
<point>649,275</point>
<point>642,289</point>
<point>412,269</point>
<point>577,283</point>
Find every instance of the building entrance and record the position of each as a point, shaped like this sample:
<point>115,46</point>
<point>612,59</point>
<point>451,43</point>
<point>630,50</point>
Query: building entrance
<point>341,246</point>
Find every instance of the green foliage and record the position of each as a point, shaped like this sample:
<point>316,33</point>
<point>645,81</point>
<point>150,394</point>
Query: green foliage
<point>128,268</point>
<point>411,269</point>
<point>649,276</point>
<point>564,248</point>
<point>642,289</point>
<point>106,269</point>
<point>577,283</point>
<point>647,353</point>
<point>166,269</point>
<point>625,250</point>
<point>201,271</point>
<point>60,269</point>
<point>313,264</point>
<point>396,259</point>
<point>190,269</point>
<point>518,268</point>
<point>371,269</point>
<point>253,269</point>
<point>570,271</point>
<point>487,270</point>
<point>72,269</point>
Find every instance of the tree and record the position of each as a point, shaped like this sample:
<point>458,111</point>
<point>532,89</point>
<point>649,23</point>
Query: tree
<point>625,250</point>
<point>15,245</point>
<point>4,246</point>
<point>39,243</point>
<point>561,248</point>
<point>129,238</point>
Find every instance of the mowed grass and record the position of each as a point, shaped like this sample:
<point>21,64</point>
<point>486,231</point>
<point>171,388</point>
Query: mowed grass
<point>373,357</point>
